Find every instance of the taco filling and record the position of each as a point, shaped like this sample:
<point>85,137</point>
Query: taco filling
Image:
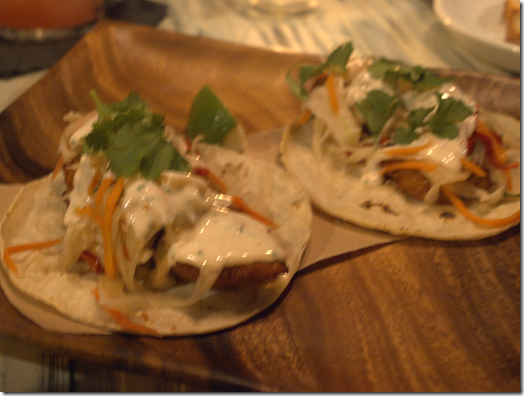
<point>398,130</point>
<point>151,219</point>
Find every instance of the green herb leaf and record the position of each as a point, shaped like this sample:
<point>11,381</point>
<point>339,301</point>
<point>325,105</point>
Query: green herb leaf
<point>377,109</point>
<point>336,62</point>
<point>404,135</point>
<point>132,139</point>
<point>450,112</point>
<point>415,119</point>
<point>391,71</point>
<point>209,117</point>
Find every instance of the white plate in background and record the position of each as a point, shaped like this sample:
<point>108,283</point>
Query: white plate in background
<point>478,26</point>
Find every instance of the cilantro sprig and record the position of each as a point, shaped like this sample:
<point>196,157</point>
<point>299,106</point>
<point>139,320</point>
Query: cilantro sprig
<point>415,119</point>
<point>450,111</point>
<point>377,108</point>
<point>336,62</point>
<point>132,138</point>
<point>392,71</point>
<point>443,123</point>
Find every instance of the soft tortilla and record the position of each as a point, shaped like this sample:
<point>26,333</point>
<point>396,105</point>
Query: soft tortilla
<point>340,192</point>
<point>35,216</point>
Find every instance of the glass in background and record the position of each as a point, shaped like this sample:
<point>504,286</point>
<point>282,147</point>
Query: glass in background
<point>37,20</point>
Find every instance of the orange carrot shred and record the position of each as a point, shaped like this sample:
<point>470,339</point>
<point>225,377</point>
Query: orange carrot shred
<point>509,182</point>
<point>304,117</point>
<point>28,246</point>
<point>91,213</point>
<point>461,207</point>
<point>474,168</point>
<point>332,93</point>
<point>243,207</point>
<point>99,197</point>
<point>58,167</point>
<point>499,153</point>
<point>123,321</point>
<point>212,177</point>
<point>110,267</point>
<point>420,165</point>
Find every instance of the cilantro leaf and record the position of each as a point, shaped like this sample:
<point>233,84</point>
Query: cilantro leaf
<point>377,109</point>
<point>450,111</point>
<point>391,71</point>
<point>132,138</point>
<point>415,119</point>
<point>156,160</point>
<point>404,135</point>
<point>336,62</point>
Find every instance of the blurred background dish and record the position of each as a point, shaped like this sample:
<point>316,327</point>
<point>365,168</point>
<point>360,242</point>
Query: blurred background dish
<point>37,20</point>
<point>479,26</point>
<point>281,7</point>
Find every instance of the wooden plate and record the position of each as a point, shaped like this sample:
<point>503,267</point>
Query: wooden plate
<point>416,315</point>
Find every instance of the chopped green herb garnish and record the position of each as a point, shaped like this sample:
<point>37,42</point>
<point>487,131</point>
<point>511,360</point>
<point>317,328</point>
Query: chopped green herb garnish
<point>336,62</point>
<point>132,138</point>
<point>405,135</point>
<point>390,71</point>
<point>377,109</point>
<point>450,111</point>
<point>444,122</point>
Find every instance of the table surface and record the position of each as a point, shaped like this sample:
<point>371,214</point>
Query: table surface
<point>461,300</point>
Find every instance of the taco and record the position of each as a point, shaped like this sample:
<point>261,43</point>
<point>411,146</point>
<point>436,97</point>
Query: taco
<point>399,149</point>
<point>143,230</point>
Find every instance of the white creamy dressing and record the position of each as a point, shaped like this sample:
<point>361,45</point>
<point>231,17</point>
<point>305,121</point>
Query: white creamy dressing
<point>148,206</point>
<point>75,141</point>
<point>71,141</point>
<point>362,84</point>
<point>225,238</point>
<point>445,152</point>
<point>79,196</point>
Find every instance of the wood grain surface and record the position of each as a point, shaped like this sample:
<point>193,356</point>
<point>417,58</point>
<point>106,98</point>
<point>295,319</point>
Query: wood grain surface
<point>415,315</point>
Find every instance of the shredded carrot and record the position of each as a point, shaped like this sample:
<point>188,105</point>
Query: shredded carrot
<point>58,167</point>
<point>20,248</point>
<point>91,213</point>
<point>407,150</point>
<point>212,177</point>
<point>304,117</point>
<point>242,206</point>
<point>493,160</point>
<point>474,168</point>
<point>419,165</point>
<point>332,93</point>
<point>461,207</point>
<point>110,267</point>
<point>99,197</point>
<point>499,153</point>
<point>509,182</point>
<point>124,322</point>
<point>94,182</point>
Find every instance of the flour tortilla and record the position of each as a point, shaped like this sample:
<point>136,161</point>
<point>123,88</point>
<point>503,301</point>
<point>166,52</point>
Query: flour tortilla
<point>37,213</point>
<point>340,193</point>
